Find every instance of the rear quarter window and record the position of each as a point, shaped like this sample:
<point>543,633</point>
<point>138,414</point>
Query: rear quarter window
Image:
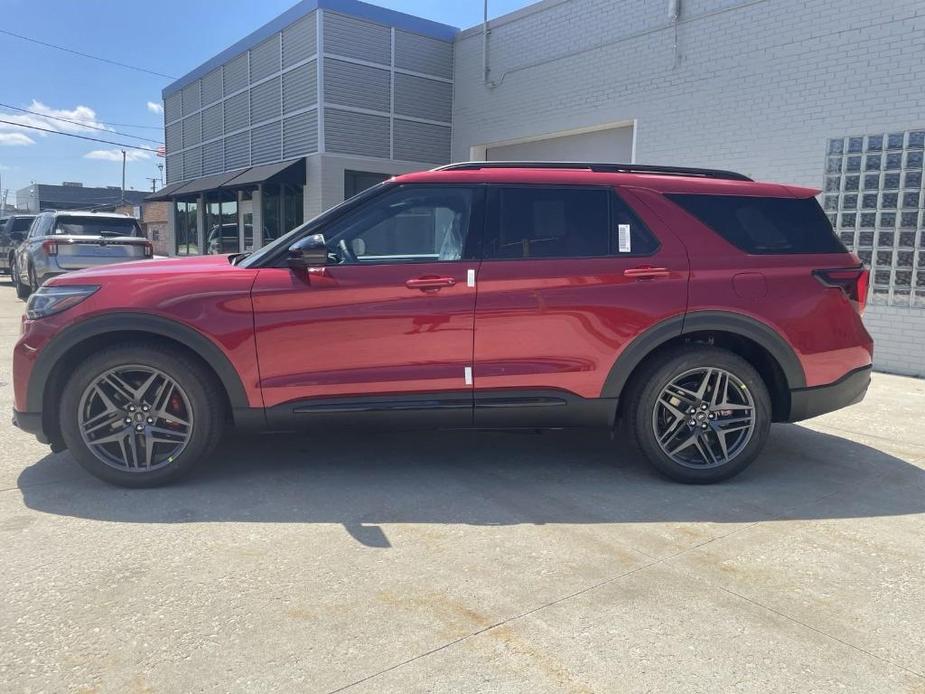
<point>760,225</point>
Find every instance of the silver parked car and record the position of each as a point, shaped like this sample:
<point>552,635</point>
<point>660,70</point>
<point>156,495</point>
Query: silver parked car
<point>59,242</point>
<point>13,230</point>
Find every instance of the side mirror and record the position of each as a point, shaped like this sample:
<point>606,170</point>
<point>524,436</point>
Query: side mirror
<point>312,251</point>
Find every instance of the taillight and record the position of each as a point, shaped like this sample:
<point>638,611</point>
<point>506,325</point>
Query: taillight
<point>853,281</point>
<point>149,249</point>
<point>50,247</point>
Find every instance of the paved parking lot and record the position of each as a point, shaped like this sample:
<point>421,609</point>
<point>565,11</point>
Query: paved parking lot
<point>463,562</point>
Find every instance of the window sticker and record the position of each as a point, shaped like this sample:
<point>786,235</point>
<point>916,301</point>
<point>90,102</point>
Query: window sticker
<point>623,238</point>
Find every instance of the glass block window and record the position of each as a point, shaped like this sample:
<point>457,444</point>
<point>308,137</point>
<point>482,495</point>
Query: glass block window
<point>874,196</point>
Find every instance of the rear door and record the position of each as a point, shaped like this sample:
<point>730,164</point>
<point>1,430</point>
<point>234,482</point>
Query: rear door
<point>82,241</point>
<point>570,276</point>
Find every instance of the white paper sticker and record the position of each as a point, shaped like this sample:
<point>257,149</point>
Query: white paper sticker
<point>623,238</point>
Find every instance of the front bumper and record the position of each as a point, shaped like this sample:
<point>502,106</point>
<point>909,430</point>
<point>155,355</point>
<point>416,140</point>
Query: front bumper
<point>812,402</point>
<point>31,423</point>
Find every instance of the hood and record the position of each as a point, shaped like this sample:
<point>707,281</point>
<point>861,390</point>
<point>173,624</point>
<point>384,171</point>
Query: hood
<point>152,268</point>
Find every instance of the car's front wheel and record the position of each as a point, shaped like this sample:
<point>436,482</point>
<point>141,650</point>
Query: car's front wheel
<point>141,416</point>
<point>700,414</point>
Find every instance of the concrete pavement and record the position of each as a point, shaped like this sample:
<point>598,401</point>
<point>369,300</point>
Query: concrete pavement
<point>472,562</point>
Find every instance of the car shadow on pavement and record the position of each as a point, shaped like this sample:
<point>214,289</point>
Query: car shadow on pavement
<point>485,478</point>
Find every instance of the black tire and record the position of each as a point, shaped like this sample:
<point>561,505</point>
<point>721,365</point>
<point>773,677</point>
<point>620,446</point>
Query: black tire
<point>33,282</point>
<point>202,389</point>
<point>657,373</point>
<point>22,291</point>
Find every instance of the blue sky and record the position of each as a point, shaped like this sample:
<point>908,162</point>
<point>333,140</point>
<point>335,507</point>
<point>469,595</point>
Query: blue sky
<point>169,36</point>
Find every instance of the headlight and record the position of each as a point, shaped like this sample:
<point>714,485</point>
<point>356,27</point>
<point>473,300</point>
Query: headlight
<point>55,299</point>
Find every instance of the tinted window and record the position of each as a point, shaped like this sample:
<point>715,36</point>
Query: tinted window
<point>96,226</point>
<point>549,222</point>
<point>22,223</point>
<point>409,224</point>
<point>765,225</point>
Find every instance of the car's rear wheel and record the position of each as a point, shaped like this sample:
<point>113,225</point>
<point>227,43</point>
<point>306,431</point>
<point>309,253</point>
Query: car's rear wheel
<point>141,416</point>
<point>33,281</point>
<point>22,291</point>
<point>700,414</point>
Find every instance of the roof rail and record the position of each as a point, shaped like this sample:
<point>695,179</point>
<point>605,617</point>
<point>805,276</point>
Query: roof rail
<point>598,167</point>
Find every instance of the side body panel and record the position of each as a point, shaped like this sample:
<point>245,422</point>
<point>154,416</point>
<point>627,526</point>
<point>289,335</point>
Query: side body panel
<point>561,323</point>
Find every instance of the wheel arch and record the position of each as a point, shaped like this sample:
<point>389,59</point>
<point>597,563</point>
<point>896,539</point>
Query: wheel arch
<point>58,358</point>
<point>770,354</point>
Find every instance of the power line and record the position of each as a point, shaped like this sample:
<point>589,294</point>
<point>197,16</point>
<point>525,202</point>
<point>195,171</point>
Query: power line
<point>86,55</point>
<point>82,137</point>
<point>77,122</point>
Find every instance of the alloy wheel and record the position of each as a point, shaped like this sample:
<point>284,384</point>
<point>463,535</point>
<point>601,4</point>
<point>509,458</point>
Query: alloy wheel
<point>135,418</point>
<point>704,418</point>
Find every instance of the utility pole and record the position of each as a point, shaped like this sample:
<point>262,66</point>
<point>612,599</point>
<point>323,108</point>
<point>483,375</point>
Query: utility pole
<point>123,176</point>
<point>153,180</point>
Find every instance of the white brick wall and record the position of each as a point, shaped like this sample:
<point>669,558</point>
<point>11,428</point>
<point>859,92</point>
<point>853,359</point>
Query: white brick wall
<point>758,86</point>
<point>899,339</point>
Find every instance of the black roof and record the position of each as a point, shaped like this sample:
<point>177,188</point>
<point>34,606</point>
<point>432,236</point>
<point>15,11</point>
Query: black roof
<point>57,197</point>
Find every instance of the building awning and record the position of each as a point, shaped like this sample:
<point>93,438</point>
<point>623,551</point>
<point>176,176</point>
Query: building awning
<point>164,193</point>
<point>292,171</point>
<point>201,185</point>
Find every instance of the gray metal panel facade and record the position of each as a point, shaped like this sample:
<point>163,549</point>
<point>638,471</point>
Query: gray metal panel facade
<point>423,98</point>
<point>212,87</point>
<point>421,141</point>
<point>423,54</point>
<point>361,86</point>
<point>299,40</point>
<point>213,158</point>
<point>237,151</point>
<point>173,137</point>
<point>347,132</point>
<point>356,38</point>
<point>266,143</point>
<point>300,87</point>
<point>265,59</point>
<point>300,134</point>
<point>237,112</point>
<point>212,122</point>
<point>234,74</point>
<point>192,130</point>
<point>174,167</point>
<point>192,162</point>
<point>191,98</point>
<point>173,106</point>
<point>265,101</point>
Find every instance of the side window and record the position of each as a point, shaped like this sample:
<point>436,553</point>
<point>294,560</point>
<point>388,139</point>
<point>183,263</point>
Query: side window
<point>564,222</point>
<point>38,226</point>
<point>412,224</point>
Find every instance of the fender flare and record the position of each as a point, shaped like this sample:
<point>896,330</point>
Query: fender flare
<point>68,338</point>
<point>699,321</point>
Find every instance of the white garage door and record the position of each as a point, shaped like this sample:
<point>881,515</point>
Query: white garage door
<point>610,145</point>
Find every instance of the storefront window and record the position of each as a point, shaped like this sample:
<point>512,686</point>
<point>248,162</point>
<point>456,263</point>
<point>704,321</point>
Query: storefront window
<point>271,215</point>
<point>221,222</point>
<point>187,236</point>
<point>292,207</point>
<point>246,208</point>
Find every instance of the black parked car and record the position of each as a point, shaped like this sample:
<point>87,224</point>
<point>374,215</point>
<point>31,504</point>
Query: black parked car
<point>13,230</point>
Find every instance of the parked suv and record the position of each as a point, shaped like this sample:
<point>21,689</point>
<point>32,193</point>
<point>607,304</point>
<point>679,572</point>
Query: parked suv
<point>60,242</point>
<point>13,230</point>
<point>683,309</point>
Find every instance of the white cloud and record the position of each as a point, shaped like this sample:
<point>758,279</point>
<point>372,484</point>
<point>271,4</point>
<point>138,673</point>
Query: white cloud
<point>155,107</point>
<point>14,139</point>
<point>79,119</point>
<point>116,154</point>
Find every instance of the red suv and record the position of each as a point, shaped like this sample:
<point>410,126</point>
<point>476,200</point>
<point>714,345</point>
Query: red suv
<point>683,309</point>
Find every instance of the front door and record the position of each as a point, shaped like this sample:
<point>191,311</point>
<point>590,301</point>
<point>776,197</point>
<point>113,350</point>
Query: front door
<point>570,276</point>
<point>387,324</point>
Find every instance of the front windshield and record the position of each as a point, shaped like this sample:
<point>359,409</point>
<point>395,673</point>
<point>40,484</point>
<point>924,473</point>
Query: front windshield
<point>290,237</point>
